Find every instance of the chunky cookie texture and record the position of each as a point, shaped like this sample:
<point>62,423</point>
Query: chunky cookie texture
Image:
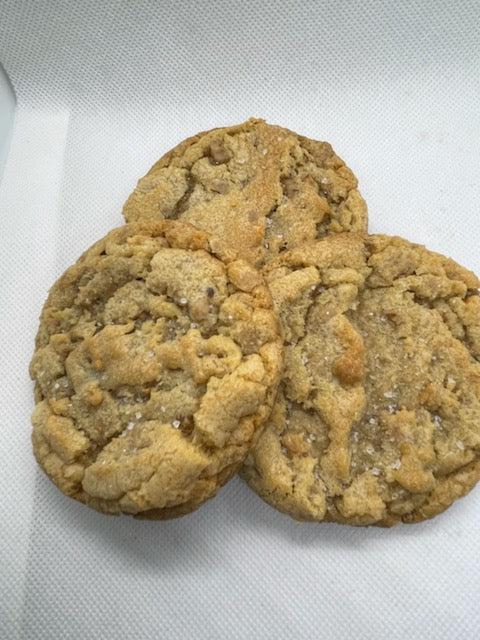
<point>377,420</point>
<point>259,188</point>
<point>156,363</point>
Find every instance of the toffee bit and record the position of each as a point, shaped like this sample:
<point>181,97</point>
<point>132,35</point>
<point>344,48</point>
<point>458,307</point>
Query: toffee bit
<point>218,153</point>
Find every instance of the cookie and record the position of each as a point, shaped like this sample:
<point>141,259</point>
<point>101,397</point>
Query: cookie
<point>259,188</point>
<point>155,365</point>
<point>377,419</point>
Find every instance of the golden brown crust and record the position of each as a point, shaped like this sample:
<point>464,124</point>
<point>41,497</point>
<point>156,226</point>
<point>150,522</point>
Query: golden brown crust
<point>377,420</point>
<point>259,188</point>
<point>155,366</point>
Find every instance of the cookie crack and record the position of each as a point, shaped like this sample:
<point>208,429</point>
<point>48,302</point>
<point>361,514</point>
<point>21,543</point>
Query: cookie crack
<point>183,204</point>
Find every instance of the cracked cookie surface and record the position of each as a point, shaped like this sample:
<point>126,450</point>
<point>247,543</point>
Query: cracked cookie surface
<point>377,419</point>
<point>155,365</point>
<point>259,188</point>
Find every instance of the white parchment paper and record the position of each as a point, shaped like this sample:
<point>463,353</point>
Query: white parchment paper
<point>104,89</point>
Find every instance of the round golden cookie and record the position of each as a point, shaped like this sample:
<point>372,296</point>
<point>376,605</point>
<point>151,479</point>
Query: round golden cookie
<point>377,419</point>
<point>259,188</point>
<point>155,365</point>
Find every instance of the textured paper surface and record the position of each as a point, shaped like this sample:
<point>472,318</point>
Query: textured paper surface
<point>103,90</point>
